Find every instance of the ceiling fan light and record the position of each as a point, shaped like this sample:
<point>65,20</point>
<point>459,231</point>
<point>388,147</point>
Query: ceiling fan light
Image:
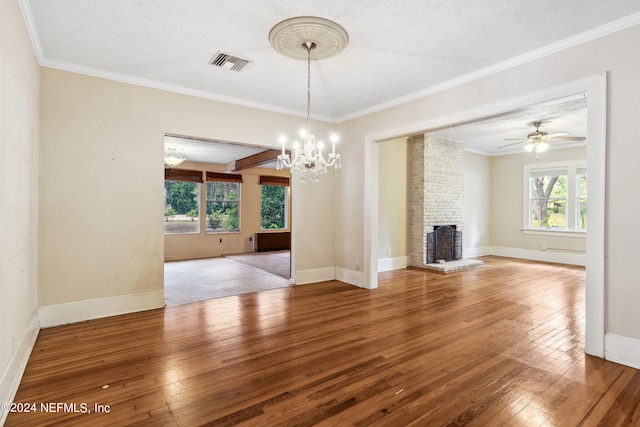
<point>541,147</point>
<point>529,147</point>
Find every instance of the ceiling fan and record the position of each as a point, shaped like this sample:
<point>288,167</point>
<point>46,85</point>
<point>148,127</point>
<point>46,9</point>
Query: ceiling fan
<point>537,141</point>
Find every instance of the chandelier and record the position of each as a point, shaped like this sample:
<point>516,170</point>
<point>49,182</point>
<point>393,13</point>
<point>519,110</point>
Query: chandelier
<point>288,37</point>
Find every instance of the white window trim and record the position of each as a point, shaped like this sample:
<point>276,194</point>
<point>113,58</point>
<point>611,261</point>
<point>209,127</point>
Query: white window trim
<point>571,200</point>
<point>559,232</point>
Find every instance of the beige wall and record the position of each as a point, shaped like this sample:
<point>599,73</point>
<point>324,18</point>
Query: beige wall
<point>101,145</point>
<point>477,209</point>
<point>203,244</point>
<point>101,194</point>
<point>19,104</point>
<point>507,202</point>
<point>392,215</point>
<point>614,53</point>
<point>493,201</point>
<point>392,224</point>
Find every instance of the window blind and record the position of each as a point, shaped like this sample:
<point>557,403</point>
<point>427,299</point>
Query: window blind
<point>548,172</point>
<point>224,177</point>
<point>281,181</point>
<point>183,175</point>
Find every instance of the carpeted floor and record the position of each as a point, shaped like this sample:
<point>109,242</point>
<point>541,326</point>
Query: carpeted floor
<point>276,262</point>
<point>203,279</point>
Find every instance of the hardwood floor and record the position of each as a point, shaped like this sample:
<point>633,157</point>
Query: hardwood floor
<point>500,344</point>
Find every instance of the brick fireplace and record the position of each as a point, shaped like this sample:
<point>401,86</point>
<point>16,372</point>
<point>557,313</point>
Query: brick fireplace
<point>436,198</point>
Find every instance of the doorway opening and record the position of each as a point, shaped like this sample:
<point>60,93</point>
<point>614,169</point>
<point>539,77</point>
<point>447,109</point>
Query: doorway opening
<point>220,202</point>
<point>595,89</point>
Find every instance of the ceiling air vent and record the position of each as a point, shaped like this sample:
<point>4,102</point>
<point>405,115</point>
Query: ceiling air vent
<point>228,62</point>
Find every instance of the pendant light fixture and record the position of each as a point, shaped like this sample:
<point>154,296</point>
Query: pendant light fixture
<point>172,158</point>
<point>297,38</point>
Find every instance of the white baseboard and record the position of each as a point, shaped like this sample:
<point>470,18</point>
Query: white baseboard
<point>537,255</point>
<point>315,275</point>
<point>60,314</point>
<point>352,277</point>
<point>623,350</point>
<point>191,257</point>
<point>476,252</point>
<point>12,376</point>
<point>388,264</point>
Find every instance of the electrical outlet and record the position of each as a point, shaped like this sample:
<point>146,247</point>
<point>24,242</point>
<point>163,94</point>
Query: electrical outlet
<point>388,252</point>
<point>357,265</point>
<point>543,247</point>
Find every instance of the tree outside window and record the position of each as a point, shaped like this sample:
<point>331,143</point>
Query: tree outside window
<point>548,201</point>
<point>223,206</point>
<point>582,198</point>
<point>273,207</point>
<point>181,207</point>
<point>557,196</point>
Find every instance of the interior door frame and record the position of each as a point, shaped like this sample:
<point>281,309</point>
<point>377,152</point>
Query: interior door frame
<point>595,89</point>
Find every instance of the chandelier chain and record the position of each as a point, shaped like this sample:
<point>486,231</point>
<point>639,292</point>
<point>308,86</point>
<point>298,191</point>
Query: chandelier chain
<point>308,160</point>
<point>308,46</point>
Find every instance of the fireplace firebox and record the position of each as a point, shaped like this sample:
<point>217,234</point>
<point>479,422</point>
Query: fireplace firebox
<point>444,243</point>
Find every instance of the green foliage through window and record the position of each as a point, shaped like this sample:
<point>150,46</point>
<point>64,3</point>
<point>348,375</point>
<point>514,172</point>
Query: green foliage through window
<point>223,206</point>
<point>548,196</point>
<point>557,196</point>
<point>273,207</point>
<point>181,207</point>
<point>582,199</point>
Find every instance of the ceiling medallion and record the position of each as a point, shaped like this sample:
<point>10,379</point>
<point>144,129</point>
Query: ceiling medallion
<point>297,38</point>
<point>287,36</point>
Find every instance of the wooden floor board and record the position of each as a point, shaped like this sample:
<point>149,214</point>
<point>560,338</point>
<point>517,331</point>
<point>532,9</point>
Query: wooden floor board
<point>499,344</point>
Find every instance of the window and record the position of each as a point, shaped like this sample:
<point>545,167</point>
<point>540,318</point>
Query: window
<point>181,201</point>
<point>581,177</point>
<point>273,202</point>
<point>548,198</point>
<point>556,196</point>
<point>223,202</point>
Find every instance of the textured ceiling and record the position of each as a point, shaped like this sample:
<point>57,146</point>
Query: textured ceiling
<point>397,50</point>
<point>201,151</point>
<point>490,136</point>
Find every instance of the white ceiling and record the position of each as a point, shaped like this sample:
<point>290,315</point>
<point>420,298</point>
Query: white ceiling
<point>398,49</point>
<point>492,135</point>
<point>210,151</point>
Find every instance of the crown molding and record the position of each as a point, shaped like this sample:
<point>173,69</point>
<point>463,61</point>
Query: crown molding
<point>32,30</point>
<point>152,84</point>
<point>43,61</point>
<point>576,40</point>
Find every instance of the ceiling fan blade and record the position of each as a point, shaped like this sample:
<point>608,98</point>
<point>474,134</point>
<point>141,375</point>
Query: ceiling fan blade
<point>509,145</point>
<point>515,139</point>
<point>555,134</point>
<point>568,138</point>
